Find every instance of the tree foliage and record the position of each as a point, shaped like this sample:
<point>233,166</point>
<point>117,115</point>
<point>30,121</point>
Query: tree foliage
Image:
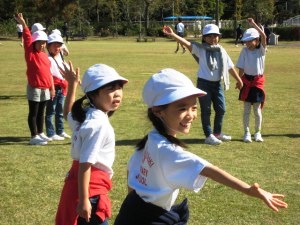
<point>99,13</point>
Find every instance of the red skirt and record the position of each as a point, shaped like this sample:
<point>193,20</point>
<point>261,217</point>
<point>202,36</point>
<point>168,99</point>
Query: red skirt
<point>100,184</point>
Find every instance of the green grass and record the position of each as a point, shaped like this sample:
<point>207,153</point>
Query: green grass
<point>32,176</point>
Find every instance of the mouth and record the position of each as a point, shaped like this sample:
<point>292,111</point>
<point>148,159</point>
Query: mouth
<point>186,125</point>
<point>116,102</point>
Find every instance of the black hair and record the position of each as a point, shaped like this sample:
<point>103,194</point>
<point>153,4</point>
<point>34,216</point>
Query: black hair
<point>179,19</point>
<point>80,106</point>
<point>159,126</point>
<point>203,41</point>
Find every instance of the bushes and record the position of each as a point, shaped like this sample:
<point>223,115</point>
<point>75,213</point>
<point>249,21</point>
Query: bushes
<point>8,28</point>
<point>287,33</point>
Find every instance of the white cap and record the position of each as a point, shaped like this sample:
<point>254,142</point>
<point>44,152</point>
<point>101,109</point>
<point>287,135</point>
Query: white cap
<point>39,36</point>
<point>99,75</point>
<point>54,37</point>
<point>37,26</point>
<point>211,29</point>
<point>250,34</point>
<point>56,31</point>
<point>167,86</point>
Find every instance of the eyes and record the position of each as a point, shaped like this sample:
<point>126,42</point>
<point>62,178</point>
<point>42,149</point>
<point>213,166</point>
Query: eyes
<point>187,108</point>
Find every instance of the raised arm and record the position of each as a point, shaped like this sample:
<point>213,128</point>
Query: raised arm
<point>73,78</point>
<point>260,30</point>
<point>272,200</point>
<point>169,32</point>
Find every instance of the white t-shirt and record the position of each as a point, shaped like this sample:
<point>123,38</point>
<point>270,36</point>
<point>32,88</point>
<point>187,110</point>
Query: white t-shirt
<point>252,62</point>
<point>180,27</point>
<point>93,141</point>
<point>204,72</point>
<point>158,171</point>
<point>54,67</point>
<point>19,28</point>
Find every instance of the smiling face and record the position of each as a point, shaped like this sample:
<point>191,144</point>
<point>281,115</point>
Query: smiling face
<point>109,97</point>
<point>178,116</point>
<point>251,45</point>
<point>211,39</point>
<point>54,48</point>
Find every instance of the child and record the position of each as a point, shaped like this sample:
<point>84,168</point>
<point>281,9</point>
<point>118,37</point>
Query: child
<point>40,86</point>
<point>251,64</point>
<point>180,32</point>
<point>55,105</point>
<point>214,63</point>
<point>160,166</point>
<point>64,51</point>
<point>93,145</point>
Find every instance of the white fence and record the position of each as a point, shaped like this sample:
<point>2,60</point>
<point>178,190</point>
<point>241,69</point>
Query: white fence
<point>294,21</point>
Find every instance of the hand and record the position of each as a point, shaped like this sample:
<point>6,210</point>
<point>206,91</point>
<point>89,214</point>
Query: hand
<point>19,18</point>
<point>272,200</point>
<point>250,20</point>
<point>69,74</point>
<point>167,30</point>
<point>239,85</point>
<point>84,209</point>
<point>52,93</point>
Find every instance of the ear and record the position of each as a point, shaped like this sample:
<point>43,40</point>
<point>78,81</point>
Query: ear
<point>157,111</point>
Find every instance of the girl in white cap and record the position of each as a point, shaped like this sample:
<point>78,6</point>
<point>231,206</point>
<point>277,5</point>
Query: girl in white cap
<point>160,166</point>
<point>40,87</point>
<point>214,64</point>
<point>84,198</point>
<point>251,64</point>
<point>55,129</point>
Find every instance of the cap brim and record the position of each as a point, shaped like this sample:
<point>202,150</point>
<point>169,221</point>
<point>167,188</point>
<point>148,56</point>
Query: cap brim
<point>180,93</point>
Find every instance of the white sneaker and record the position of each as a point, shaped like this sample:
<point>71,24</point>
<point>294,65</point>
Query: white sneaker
<point>223,137</point>
<point>56,137</point>
<point>44,137</point>
<point>247,138</point>
<point>65,135</point>
<point>37,140</point>
<point>258,137</point>
<point>212,140</point>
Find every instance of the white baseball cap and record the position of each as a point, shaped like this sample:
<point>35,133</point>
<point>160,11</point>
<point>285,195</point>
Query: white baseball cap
<point>56,31</point>
<point>211,29</point>
<point>167,86</point>
<point>99,75</point>
<point>250,34</point>
<point>54,37</point>
<point>39,36</point>
<point>37,26</point>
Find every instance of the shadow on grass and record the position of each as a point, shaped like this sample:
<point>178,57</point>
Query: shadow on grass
<point>8,97</point>
<point>133,142</point>
<point>24,141</point>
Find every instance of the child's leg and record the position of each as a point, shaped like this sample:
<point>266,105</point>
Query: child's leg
<point>258,116</point>
<point>246,117</point>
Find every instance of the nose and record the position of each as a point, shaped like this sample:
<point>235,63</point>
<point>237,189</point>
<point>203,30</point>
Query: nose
<point>192,114</point>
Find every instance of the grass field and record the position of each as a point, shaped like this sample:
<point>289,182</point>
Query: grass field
<point>32,176</point>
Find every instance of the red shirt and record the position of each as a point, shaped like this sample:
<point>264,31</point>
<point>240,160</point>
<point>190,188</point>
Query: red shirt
<point>38,64</point>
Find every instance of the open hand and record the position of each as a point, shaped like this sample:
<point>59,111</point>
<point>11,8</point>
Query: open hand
<point>71,75</point>
<point>272,200</point>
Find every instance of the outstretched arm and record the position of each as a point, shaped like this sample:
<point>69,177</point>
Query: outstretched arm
<point>73,78</point>
<point>272,200</point>
<point>260,30</point>
<point>169,32</point>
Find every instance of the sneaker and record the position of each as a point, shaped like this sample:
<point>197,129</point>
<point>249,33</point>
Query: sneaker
<point>37,140</point>
<point>223,137</point>
<point>212,140</point>
<point>56,137</point>
<point>176,51</point>
<point>183,51</point>
<point>247,138</point>
<point>44,137</point>
<point>258,137</point>
<point>64,135</point>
